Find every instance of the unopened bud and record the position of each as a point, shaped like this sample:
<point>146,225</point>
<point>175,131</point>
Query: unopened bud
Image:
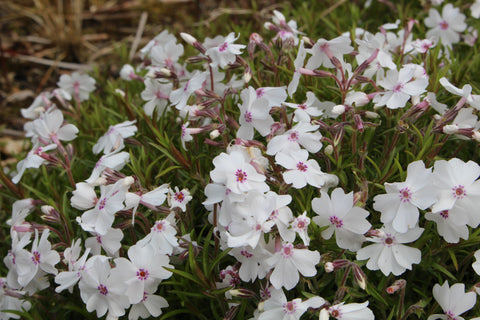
<point>255,38</point>
<point>214,134</point>
<point>128,181</point>
<point>450,129</point>
<point>338,109</point>
<point>329,267</point>
<point>476,136</point>
<point>101,181</point>
<point>371,114</point>
<point>329,149</point>
<point>359,276</point>
<point>324,314</point>
<point>247,75</point>
<point>50,214</point>
<point>241,293</point>
<point>120,92</point>
<point>188,38</point>
<point>397,285</point>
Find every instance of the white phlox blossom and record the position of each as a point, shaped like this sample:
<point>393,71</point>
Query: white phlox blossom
<point>113,139</point>
<point>100,218</point>
<point>476,264</point>
<point>285,30</point>
<point>101,291</point>
<point>282,215</point>
<point>465,120</point>
<point>300,226</point>
<point>400,86</point>
<point>150,306</point>
<point>77,85</point>
<point>161,39</point>
<point>153,198</point>
<point>156,95</point>
<point>278,308</point>
<point>302,134</point>
<point>323,50</point>
<point>466,92</point>
<point>288,262</point>
<point>40,258</point>
<point>403,199</point>
<point>33,159</point>
<point>19,242</point>
<point>453,300</point>
<point>162,237</point>
<point>225,53</point>
<point>276,96</point>
<point>298,63</point>
<point>84,196</point>
<point>10,302</point>
<point>305,111</point>
<point>300,170</point>
<point>368,45</point>
<point>451,224</point>
<point>50,128</point>
<point>446,27</point>
<point>250,220</point>
<point>180,96</point>
<point>110,242</point>
<point>458,190</point>
<point>237,174</point>
<point>349,311</point>
<point>115,161</point>
<point>254,113</point>
<point>166,54</point>
<point>252,261</point>
<point>388,253</point>
<point>338,212</point>
<point>141,272</point>
<point>20,210</point>
<point>68,279</point>
<point>179,198</point>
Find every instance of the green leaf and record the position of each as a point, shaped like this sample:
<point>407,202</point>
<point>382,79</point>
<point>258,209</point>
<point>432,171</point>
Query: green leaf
<point>444,271</point>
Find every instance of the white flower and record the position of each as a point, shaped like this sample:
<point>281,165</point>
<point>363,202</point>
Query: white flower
<point>323,50</point>
<point>453,300</point>
<point>83,197</point>
<point>300,171</point>
<point>254,113</point>
<point>300,226</point>
<point>446,27</point>
<point>110,242</point>
<point>338,213</point>
<point>403,199</point>
<point>179,198</point>
<point>180,96</point>
<point>68,279</point>
<point>451,224</point>
<point>351,311</point>
<point>225,53</point>
<point>78,85</point>
<point>34,159</point>
<point>161,237</point>
<point>156,94</point>
<point>253,260</point>
<point>113,139</point>
<point>150,305</point>
<point>115,161</point>
<point>50,127</point>
<point>388,252</point>
<point>476,264</point>
<point>302,134</point>
<point>298,63</point>
<point>278,308</point>
<point>288,262</point>
<point>304,111</point>
<point>400,86</point>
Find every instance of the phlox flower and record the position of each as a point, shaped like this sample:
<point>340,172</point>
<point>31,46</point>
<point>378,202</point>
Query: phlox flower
<point>400,86</point>
<point>302,134</point>
<point>156,95</point>
<point>300,226</point>
<point>160,39</point>
<point>77,85</point>
<point>239,176</point>
<point>338,212</point>
<point>298,63</point>
<point>278,308</point>
<point>150,306</point>
<point>151,199</point>
<point>10,302</point>
<point>446,27</point>
<point>304,111</point>
<point>254,113</point>
<point>453,300</point>
<point>225,53</point>
<point>115,161</point>
<point>180,96</point>
<point>40,258</point>
<point>389,254</point>
<point>83,197</point>
<point>179,198</point>
<point>465,92</point>
<point>110,242</point>
<point>100,218</point>
<point>34,159</point>
<point>19,242</point>
<point>101,291</point>
<point>451,224</point>
<point>166,54</point>
<point>284,30</point>
<point>141,272</point>
<point>368,45</point>
<point>403,199</point>
<point>300,171</point>
<point>476,264</point>
<point>323,50</point>
<point>349,311</point>
<point>458,190</point>
<point>113,139</point>
<point>20,210</point>
<point>275,95</point>
<point>50,127</point>
<point>162,237</point>
<point>68,279</point>
<point>282,215</point>
<point>252,260</point>
<point>288,262</point>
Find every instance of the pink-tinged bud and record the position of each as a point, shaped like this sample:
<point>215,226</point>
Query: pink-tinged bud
<point>340,263</point>
<point>359,276</point>
<point>213,143</point>
<point>50,214</point>
<point>397,285</point>
<point>242,293</point>
<point>315,73</point>
<point>334,60</point>
<point>358,122</point>
<point>367,62</point>
<point>23,228</point>
<point>329,267</point>
<point>256,38</point>
<point>270,26</point>
<point>188,38</point>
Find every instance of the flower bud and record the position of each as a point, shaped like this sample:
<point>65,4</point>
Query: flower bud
<point>397,285</point>
<point>359,276</point>
<point>329,267</point>
<point>329,149</point>
<point>50,214</point>
<point>324,314</point>
<point>450,129</point>
<point>120,92</point>
<point>338,109</point>
<point>241,293</point>
<point>188,38</point>
<point>371,115</point>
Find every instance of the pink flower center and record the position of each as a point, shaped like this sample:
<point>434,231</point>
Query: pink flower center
<point>444,25</point>
<point>389,240</point>
<point>36,257</point>
<point>223,47</point>
<point>142,274</point>
<point>246,254</point>
<point>338,223</point>
<point>335,313</point>
<point>102,289</point>
<point>248,117</point>
<point>260,92</point>
<point>289,307</point>
<point>293,136</point>
<point>186,86</point>
<point>99,239</point>
<point>159,226</point>
<point>444,214</point>
<point>102,204</point>
<point>302,106</point>
<point>241,176</point>
<point>405,194</point>
<point>302,166</point>
<point>398,88</point>
<point>287,250</point>
<point>459,192</point>
<point>145,297</point>
<point>179,196</point>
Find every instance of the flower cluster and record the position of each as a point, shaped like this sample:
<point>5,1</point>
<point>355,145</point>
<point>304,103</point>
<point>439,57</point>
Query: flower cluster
<point>336,154</point>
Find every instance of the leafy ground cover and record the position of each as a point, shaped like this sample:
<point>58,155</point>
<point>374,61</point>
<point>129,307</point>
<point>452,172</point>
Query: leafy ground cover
<point>301,160</point>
